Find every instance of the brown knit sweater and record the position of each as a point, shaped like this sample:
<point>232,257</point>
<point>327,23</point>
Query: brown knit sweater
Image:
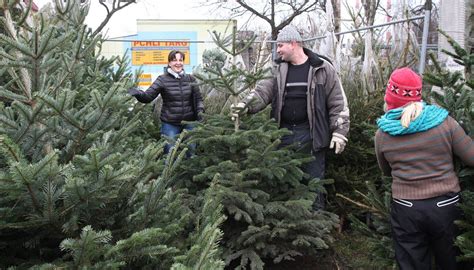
<point>421,164</point>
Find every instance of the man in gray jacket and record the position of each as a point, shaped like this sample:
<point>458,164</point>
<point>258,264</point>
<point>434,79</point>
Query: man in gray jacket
<point>307,98</point>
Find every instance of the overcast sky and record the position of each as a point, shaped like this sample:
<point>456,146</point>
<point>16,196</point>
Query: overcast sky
<point>124,22</point>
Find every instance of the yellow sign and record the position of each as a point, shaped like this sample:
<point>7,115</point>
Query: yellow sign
<point>156,52</point>
<point>144,79</point>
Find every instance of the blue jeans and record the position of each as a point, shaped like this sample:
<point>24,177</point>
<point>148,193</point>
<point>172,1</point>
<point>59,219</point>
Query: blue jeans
<point>171,131</point>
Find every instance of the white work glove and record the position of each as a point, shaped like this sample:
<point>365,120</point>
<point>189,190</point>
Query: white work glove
<point>338,142</point>
<point>238,110</point>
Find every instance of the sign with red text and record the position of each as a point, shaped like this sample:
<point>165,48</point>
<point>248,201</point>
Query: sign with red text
<point>156,52</point>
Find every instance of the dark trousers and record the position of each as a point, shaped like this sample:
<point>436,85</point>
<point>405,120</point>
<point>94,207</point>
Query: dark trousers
<point>423,228</point>
<point>301,139</point>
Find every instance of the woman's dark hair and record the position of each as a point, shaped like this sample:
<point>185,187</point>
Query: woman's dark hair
<point>173,53</point>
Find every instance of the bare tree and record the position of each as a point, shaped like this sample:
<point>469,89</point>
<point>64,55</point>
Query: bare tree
<point>336,4</point>
<point>370,10</point>
<point>111,9</point>
<point>277,13</point>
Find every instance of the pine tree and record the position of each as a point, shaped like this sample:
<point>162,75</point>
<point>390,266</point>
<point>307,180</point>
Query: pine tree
<point>358,164</point>
<point>265,194</point>
<point>376,227</point>
<point>81,186</point>
<point>456,93</point>
<point>56,126</point>
<point>230,78</point>
<point>206,252</point>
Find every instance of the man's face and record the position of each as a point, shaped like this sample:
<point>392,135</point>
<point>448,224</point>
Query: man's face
<point>177,64</point>
<point>285,50</point>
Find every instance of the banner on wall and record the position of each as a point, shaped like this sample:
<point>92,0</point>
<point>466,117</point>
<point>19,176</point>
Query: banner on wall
<point>144,80</point>
<point>156,52</point>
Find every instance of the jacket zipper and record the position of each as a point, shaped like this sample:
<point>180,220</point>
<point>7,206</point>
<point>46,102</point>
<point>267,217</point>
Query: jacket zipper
<point>182,99</point>
<point>312,80</point>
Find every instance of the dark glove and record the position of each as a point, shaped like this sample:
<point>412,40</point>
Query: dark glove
<point>199,116</point>
<point>133,91</point>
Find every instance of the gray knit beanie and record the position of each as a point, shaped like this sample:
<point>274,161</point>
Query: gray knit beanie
<point>289,33</point>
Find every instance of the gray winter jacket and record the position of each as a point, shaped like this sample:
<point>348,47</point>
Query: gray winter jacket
<point>328,111</point>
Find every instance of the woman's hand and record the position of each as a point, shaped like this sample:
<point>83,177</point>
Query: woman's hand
<point>133,91</point>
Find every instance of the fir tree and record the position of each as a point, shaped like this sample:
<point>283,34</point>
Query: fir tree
<point>376,225</point>
<point>455,92</point>
<point>59,125</point>
<point>265,194</point>
<point>80,185</point>
<point>206,252</point>
<point>262,189</point>
<point>230,78</point>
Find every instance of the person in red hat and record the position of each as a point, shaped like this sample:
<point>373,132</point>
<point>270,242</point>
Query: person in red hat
<point>415,145</point>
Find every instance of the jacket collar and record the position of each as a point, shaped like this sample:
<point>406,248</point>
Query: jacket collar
<point>315,60</point>
<point>174,74</point>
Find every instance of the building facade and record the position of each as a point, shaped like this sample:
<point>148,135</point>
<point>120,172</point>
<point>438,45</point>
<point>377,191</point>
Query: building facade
<point>148,49</point>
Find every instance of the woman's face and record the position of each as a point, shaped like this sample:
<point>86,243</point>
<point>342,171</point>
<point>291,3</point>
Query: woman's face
<point>177,64</point>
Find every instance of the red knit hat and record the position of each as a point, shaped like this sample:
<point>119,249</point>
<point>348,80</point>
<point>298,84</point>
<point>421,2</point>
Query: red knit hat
<point>404,86</point>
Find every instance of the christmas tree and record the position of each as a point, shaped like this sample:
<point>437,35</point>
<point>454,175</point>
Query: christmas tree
<point>265,194</point>
<point>231,78</point>
<point>269,207</point>
<point>455,92</point>
<point>81,185</point>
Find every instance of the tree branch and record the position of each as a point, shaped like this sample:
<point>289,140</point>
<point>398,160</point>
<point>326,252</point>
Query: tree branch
<point>110,13</point>
<point>258,14</point>
<point>298,11</point>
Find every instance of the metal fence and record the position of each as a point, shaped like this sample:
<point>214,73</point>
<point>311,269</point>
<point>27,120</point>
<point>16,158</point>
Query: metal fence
<point>424,43</point>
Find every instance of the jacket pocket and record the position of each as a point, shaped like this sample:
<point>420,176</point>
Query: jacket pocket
<point>449,201</point>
